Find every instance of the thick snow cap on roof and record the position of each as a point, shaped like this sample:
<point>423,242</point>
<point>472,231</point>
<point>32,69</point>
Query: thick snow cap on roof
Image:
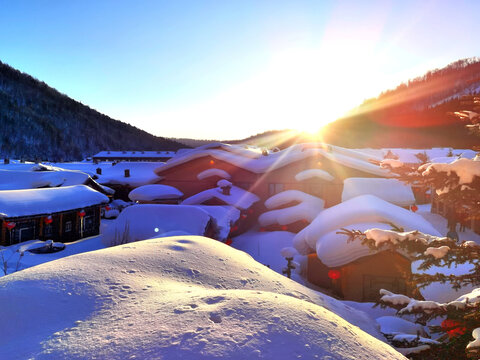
<point>255,162</point>
<point>16,203</point>
<point>22,179</point>
<point>335,250</point>
<point>213,172</point>
<point>154,192</point>
<point>140,222</point>
<point>307,208</point>
<point>314,173</point>
<point>141,173</point>
<point>391,190</point>
<point>241,199</point>
<point>135,154</point>
<point>361,209</point>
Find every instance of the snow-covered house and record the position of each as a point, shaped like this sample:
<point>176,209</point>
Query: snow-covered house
<point>353,270</point>
<point>62,214</point>
<point>290,210</point>
<point>315,169</point>
<point>156,156</point>
<point>227,194</point>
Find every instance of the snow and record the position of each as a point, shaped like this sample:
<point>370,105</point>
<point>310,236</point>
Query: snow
<point>393,325</point>
<point>475,344</point>
<point>224,217</point>
<point>16,203</point>
<point>335,249</point>
<point>238,197</point>
<point>265,247</point>
<point>154,192</point>
<point>393,163</point>
<point>437,253</point>
<point>313,173</point>
<point>28,179</point>
<point>394,299</point>
<point>307,208</point>
<point>213,172</point>
<point>141,173</point>
<point>224,183</point>
<point>140,222</point>
<point>155,299</point>
<point>465,169</point>
<point>361,209</point>
<point>255,162</point>
<point>391,190</point>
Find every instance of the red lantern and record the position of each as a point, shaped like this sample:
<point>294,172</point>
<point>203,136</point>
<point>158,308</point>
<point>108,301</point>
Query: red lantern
<point>334,274</point>
<point>108,208</point>
<point>414,208</point>
<point>284,228</point>
<point>244,216</point>
<point>212,162</point>
<point>81,213</point>
<point>228,242</point>
<point>48,220</point>
<point>453,327</point>
<point>10,225</point>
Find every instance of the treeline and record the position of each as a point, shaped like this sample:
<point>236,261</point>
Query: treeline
<point>38,122</point>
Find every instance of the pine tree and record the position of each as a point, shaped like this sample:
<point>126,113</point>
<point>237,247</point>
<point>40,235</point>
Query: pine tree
<point>458,183</point>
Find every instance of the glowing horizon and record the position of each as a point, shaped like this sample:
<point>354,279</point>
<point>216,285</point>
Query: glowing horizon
<point>210,70</point>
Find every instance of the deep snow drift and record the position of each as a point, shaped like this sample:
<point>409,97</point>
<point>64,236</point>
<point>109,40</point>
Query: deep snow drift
<point>175,298</point>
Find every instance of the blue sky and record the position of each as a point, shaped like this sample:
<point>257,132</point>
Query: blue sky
<point>229,69</point>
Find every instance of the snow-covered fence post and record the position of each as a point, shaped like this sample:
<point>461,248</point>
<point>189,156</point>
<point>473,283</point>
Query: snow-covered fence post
<point>289,268</point>
<point>289,253</point>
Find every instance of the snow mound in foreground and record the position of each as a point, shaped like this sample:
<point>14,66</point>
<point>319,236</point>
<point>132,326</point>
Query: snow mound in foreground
<point>175,298</point>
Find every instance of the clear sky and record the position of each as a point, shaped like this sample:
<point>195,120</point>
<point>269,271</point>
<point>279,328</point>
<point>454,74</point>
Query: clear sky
<point>229,69</point>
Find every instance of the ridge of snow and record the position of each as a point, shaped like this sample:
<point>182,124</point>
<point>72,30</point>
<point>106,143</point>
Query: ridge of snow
<point>360,209</point>
<point>238,197</point>
<point>213,172</point>
<point>311,173</point>
<point>156,299</point>
<point>154,192</point>
<point>391,190</point>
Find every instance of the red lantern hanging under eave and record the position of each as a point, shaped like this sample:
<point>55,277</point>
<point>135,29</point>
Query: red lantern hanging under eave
<point>414,208</point>
<point>10,225</point>
<point>334,274</point>
<point>48,220</point>
<point>228,241</point>
<point>81,213</point>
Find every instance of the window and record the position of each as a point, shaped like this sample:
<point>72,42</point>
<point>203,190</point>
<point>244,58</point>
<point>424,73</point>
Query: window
<point>275,188</point>
<point>47,230</point>
<point>89,223</point>
<point>68,226</point>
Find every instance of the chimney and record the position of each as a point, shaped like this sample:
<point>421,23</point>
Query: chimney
<point>99,171</point>
<point>127,172</point>
<point>225,186</point>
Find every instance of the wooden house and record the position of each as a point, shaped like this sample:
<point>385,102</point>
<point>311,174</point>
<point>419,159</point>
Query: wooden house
<point>118,156</point>
<point>265,174</point>
<point>62,214</point>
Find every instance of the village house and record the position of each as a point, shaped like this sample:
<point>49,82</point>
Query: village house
<point>61,214</point>
<point>266,173</point>
<point>350,269</point>
<point>117,156</point>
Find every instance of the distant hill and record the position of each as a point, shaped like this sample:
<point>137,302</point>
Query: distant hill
<point>36,121</point>
<point>415,115</point>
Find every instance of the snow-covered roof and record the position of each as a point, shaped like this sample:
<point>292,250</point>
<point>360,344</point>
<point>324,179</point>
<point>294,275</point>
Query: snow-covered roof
<point>314,173</point>
<point>23,179</point>
<point>256,162</point>
<point>213,172</point>
<point>134,154</point>
<point>17,203</point>
<point>141,173</point>
<point>361,209</point>
<point>154,192</point>
<point>140,222</point>
<point>335,250</point>
<point>307,208</point>
<point>391,190</point>
<point>223,216</point>
<point>185,297</point>
<point>408,155</point>
<point>241,199</point>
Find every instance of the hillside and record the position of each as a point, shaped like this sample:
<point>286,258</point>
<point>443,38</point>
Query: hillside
<point>36,121</point>
<point>414,114</point>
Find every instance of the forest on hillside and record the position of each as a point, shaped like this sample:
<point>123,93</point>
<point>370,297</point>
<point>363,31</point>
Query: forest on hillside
<point>38,122</point>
